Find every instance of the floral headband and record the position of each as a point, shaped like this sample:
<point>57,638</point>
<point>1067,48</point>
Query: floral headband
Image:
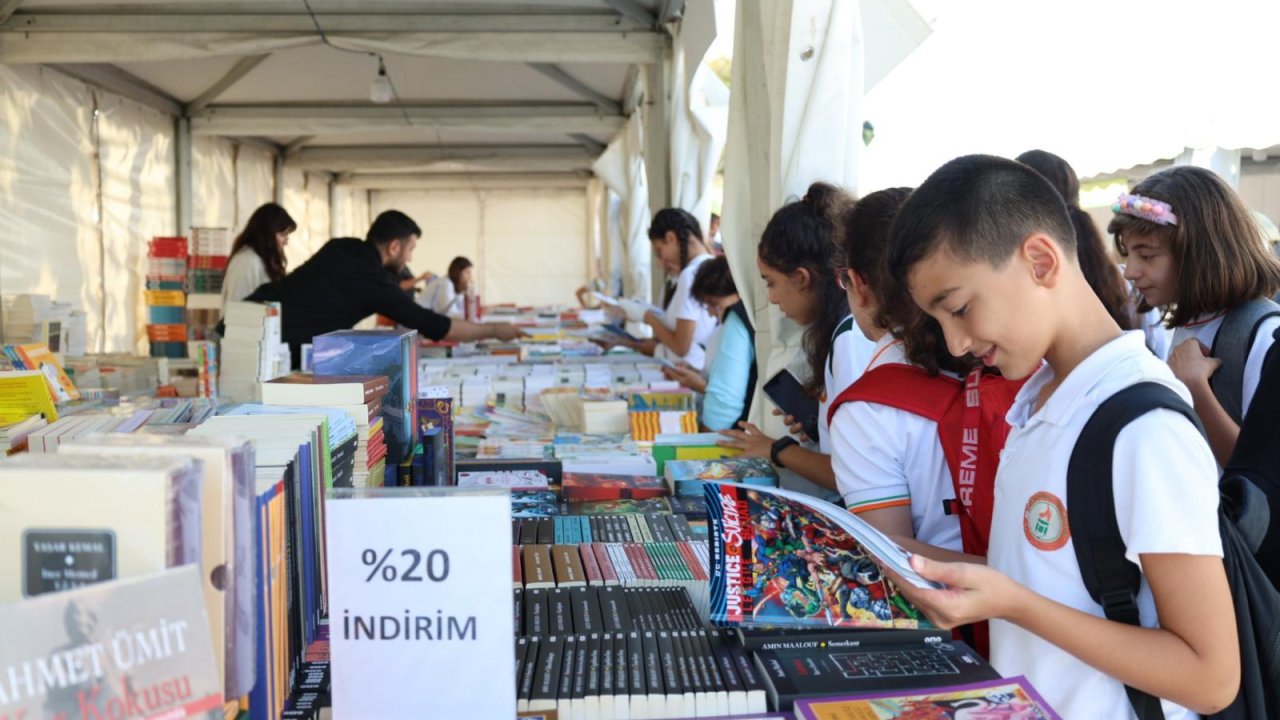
<point>1157,211</point>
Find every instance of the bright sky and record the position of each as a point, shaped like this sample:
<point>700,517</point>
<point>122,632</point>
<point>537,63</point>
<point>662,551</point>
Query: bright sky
<point>1106,84</point>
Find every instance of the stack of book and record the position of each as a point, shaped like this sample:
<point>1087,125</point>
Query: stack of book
<point>391,353</point>
<point>47,439</point>
<point>657,413</point>
<point>38,357</point>
<point>31,318</point>
<point>360,396</point>
<point>207,263</point>
<point>166,296</point>
<point>205,355</point>
<point>13,436</point>
<point>226,530</point>
<point>252,351</point>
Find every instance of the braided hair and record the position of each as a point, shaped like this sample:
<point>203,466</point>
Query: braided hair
<point>685,227</point>
<point>802,234</point>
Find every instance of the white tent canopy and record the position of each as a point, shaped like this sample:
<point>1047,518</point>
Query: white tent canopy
<point>227,105</point>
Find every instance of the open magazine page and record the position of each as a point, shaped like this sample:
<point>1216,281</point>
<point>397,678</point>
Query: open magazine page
<point>1008,699</point>
<point>781,558</point>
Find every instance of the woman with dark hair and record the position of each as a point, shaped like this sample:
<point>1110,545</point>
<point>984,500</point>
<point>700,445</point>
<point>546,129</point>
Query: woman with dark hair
<point>797,259</point>
<point>683,327</point>
<point>257,255</point>
<point>446,293</point>
<point>730,377</point>
<point>1102,274</point>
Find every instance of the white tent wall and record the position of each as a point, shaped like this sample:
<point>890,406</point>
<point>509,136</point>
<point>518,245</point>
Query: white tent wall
<point>255,181</point>
<point>213,177</point>
<point>622,167</point>
<point>349,210</point>
<point>794,117</point>
<point>305,196</point>
<point>529,246</point>
<point>82,193</point>
<point>50,239</point>
<point>136,146</point>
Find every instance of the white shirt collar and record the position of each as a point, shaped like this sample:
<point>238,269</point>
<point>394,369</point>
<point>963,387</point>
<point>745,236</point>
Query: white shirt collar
<point>1077,386</point>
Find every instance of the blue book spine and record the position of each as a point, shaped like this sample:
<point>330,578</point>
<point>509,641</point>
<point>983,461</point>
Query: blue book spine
<point>585,525</point>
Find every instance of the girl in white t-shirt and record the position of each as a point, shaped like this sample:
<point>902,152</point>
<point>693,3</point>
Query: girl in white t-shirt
<point>446,294</point>
<point>257,255</point>
<point>797,257</point>
<point>1194,251</point>
<point>685,326</point>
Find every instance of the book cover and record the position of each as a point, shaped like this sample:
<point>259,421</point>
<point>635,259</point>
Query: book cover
<point>435,432</point>
<point>786,559</point>
<point>623,506</point>
<point>691,446</point>
<point>686,477</point>
<point>578,487</point>
<point>37,356</point>
<point>511,480</point>
<point>648,424</point>
<point>1007,698</point>
<point>95,651</point>
<point>308,388</point>
<point>391,353</point>
<point>24,393</point>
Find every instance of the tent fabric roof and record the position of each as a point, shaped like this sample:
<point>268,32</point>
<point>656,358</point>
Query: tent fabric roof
<point>482,85</point>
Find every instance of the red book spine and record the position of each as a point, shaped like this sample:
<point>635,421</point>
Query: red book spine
<point>640,562</point>
<point>691,560</point>
<point>607,571</point>
<point>590,567</point>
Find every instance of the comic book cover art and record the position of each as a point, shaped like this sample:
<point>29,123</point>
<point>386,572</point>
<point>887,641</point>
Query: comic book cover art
<point>534,503</point>
<point>1007,699</point>
<point>622,506</point>
<point>777,562</point>
<point>579,487</point>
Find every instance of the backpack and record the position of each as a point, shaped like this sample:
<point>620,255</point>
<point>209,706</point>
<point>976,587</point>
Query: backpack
<point>1231,345</point>
<point>1257,455</point>
<point>1113,581</point>
<point>971,428</point>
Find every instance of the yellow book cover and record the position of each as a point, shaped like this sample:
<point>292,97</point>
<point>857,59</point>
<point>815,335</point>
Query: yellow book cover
<point>24,393</point>
<point>37,356</point>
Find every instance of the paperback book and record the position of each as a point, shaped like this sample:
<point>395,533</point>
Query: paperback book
<point>1005,698</point>
<point>686,477</point>
<point>578,487</point>
<point>781,558</point>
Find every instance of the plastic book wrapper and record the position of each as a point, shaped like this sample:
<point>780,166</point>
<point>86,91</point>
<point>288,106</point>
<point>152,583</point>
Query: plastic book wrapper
<point>1007,698</point>
<point>782,558</point>
<point>129,648</point>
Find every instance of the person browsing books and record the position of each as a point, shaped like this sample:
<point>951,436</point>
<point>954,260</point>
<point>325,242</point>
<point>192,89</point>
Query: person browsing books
<point>797,260</point>
<point>684,326</point>
<point>350,279</point>
<point>257,255</point>
<point>445,294</point>
<point>730,377</point>
<point>985,246</point>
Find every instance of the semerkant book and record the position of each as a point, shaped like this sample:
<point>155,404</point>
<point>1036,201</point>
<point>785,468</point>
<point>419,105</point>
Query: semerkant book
<point>128,648</point>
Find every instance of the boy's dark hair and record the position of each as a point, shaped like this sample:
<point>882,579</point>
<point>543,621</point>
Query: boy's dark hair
<point>456,268</point>
<point>713,281</point>
<point>392,225</point>
<point>259,235</point>
<point>1099,271</point>
<point>979,208</point>
<point>1222,259</point>
<point>864,239</point>
<point>682,223</point>
<point>802,234</point>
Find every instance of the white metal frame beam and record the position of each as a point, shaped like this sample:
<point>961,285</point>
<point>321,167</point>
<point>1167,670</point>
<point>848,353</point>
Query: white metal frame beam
<point>558,74</point>
<point>336,118</point>
<point>633,10</point>
<point>449,158</point>
<point>670,10</point>
<point>113,79</point>
<point>7,8</point>
<point>81,20</point>
<point>242,67</point>
<point>457,181</point>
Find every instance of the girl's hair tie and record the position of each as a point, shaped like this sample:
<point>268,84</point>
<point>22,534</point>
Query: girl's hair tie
<point>1157,211</point>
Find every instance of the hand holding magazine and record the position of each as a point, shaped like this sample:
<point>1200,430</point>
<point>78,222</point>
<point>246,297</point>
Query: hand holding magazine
<point>782,558</point>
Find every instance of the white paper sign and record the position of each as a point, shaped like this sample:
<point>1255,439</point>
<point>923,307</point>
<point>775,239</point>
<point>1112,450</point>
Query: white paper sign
<point>420,617</point>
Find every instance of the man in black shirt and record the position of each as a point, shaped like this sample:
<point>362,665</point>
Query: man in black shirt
<point>349,280</point>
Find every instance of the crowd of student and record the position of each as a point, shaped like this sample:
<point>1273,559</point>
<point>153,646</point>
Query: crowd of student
<point>959,336</point>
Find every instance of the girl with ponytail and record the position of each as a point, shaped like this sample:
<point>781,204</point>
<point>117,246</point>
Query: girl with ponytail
<point>682,330</point>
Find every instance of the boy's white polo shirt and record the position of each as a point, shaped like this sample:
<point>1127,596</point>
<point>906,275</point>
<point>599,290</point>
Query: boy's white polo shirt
<point>885,457</point>
<point>1166,494</point>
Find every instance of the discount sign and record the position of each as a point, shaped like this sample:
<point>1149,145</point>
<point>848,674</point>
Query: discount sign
<point>420,612</point>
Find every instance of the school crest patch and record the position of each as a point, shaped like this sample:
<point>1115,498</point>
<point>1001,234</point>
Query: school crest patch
<point>1044,521</point>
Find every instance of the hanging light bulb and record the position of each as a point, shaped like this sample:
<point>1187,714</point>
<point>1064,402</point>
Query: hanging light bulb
<point>380,86</point>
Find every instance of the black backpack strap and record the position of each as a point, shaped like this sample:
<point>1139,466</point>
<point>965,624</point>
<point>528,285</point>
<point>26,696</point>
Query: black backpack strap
<point>1112,581</point>
<point>1231,345</point>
